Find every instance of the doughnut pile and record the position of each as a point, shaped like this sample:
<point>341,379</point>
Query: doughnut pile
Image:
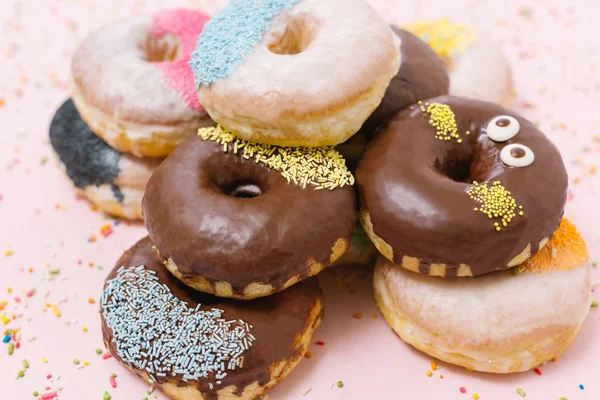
<point>132,102</point>
<point>336,142</point>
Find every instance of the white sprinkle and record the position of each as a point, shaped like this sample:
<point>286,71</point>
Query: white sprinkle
<point>306,391</point>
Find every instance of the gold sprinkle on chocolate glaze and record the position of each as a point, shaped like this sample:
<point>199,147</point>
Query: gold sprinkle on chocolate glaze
<point>320,167</point>
<point>442,118</point>
<point>496,202</point>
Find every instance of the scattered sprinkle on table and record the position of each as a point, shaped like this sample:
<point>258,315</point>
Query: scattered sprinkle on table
<point>594,304</point>
<point>340,384</point>
<point>463,389</point>
<point>106,396</point>
<point>429,373</point>
<point>521,392</point>
<point>306,391</point>
<point>538,371</point>
<point>320,343</point>
<point>475,396</point>
<point>357,315</point>
<point>581,387</point>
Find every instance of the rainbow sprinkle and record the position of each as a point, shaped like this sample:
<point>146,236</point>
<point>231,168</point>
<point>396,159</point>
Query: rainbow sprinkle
<point>157,333</point>
<point>321,167</point>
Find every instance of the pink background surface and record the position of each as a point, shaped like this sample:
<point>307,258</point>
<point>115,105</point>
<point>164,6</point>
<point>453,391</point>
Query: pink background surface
<point>554,52</point>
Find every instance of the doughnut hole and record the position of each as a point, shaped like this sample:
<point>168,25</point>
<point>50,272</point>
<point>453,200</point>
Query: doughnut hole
<point>164,48</point>
<point>298,33</point>
<point>456,167</point>
<point>240,183</point>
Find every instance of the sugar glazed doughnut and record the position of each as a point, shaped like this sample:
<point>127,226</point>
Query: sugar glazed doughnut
<point>462,187</point>
<point>193,345</point>
<point>478,67</point>
<point>132,84</point>
<point>295,72</point>
<point>500,322</point>
<point>112,181</point>
<point>243,220</point>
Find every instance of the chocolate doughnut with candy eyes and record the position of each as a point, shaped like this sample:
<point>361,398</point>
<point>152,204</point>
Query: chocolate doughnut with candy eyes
<point>243,220</point>
<point>454,186</point>
<point>193,345</point>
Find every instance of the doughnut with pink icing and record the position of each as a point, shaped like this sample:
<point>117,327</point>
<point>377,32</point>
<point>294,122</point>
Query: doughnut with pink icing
<point>132,84</point>
<point>295,72</point>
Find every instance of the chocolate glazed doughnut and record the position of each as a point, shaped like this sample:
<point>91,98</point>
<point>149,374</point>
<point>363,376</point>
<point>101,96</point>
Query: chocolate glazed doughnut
<point>455,186</point>
<point>422,75</point>
<point>280,328</point>
<point>236,228</point>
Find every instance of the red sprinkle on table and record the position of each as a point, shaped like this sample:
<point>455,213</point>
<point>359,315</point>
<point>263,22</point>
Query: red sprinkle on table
<point>538,371</point>
<point>462,389</point>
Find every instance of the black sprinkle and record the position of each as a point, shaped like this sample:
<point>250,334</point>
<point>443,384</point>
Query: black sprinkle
<point>89,161</point>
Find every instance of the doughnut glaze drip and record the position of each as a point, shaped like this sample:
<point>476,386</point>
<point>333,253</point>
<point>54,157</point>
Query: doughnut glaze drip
<point>231,35</point>
<point>88,160</point>
<point>185,24</point>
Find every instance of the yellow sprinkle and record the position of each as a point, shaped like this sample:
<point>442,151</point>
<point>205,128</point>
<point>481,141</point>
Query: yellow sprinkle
<point>8,253</point>
<point>5,319</point>
<point>320,167</point>
<point>429,373</point>
<point>84,329</point>
<point>86,363</point>
<point>447,39</point>
<point>9,290</point>
<point>44,360</point>
<point>494,201</point>
<point>442,118</point>
<point>55,310</point>
<point>475,396</point>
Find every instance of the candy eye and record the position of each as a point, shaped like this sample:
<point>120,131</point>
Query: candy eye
<point>517,155</point>
<point>502,128</point>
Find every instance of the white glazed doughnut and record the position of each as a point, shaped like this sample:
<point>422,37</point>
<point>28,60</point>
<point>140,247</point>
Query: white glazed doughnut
<point>295,72</point>
<point>114,182</point>
<point>478,68</point>
<point>496,322</point>
<point>132,84</point>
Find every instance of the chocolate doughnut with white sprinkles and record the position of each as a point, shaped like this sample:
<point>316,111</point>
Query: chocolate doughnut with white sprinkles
<point>245,220</point>
<point>193,345</point>
<point>113,181</point>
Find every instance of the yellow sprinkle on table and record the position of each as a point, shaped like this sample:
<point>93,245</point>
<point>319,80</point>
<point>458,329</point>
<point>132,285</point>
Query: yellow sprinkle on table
<point>55,310</point>
<point>442,118</point>
<point>44,360</point>
<point>446,38</point>
<point>321,167</point>
<point>475,396</point>
<point>8,253</point>
<point>495,202</point>
<point>84,329</point>
<point>429,374</point>
<point>5,319</point>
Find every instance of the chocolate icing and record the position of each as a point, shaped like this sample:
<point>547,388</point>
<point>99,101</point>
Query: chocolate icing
<point>414,187</point>
<point>276,321</point>
<point>193,218</point>
<point>88,160</point>
<point>422,75</point>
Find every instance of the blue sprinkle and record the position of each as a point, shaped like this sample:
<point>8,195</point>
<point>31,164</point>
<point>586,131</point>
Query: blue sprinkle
<point>581,387</point>
<point>231,35</point>
<point>186,342</point>
<point>6,339</point>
